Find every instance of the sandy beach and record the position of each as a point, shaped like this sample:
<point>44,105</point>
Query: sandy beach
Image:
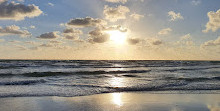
<point>134,101</point>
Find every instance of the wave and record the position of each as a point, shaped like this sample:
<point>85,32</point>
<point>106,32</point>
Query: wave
<point>44,74</point>
<point>68,90</point>
<point>194,79</point>
<point>24,82</point>
<point>190,69</point>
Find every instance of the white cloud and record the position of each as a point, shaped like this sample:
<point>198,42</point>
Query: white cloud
<point>212,42</point>
<point>114,27</point>
<point>13,30</point>
<point>185,40</point>
<point>51,4</point>
<point>136,16</point>
<point>32,27</point>
<point>195,2</point>
<point>17,11</point>
<point>122,1</point>
<point>117,1</point>
<point>20,47</point>
<point>174,16</point>
<point>165,31</point>
<point>114,14</point>
<point>186,37</point>
<point>49,35</point>
<point>152,42</point>
<point>214,21</point>
<point>31,42</point>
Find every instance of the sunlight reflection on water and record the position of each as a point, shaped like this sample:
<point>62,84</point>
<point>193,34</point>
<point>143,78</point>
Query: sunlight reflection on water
<point>116,99</point>
<point>117,82</point>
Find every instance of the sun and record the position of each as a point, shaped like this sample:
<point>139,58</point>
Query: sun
<point>117,36</point>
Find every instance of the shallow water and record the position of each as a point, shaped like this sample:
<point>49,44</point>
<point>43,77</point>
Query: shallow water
<point>77,78</point>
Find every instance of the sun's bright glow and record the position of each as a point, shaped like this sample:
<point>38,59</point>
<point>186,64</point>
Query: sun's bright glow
<point>116,98</point>
<point>117,36</point>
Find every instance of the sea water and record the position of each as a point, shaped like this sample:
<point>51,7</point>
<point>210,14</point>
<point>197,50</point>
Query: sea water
<point>68,78</point>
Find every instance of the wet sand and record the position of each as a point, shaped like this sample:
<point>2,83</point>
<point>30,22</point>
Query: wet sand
<point>135,101</point>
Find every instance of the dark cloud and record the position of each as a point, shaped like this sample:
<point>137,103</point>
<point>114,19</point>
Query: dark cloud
<point>46,45</point>
<point>17,11</point>
<point>156,42</point>
<point>85,22</point>
<point>98,36</point>
<point>133,41</point>
<point>49,35</point>
<point>13,30</point>
<point>72,34</point>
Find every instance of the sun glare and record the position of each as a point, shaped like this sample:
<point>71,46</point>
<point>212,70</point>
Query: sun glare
<point>117,36</point>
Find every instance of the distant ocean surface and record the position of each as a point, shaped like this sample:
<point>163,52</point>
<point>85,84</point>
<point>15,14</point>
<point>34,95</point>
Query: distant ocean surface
<point>68,78</point>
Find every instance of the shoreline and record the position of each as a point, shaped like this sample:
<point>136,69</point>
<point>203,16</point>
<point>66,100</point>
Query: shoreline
<point>116,101</point>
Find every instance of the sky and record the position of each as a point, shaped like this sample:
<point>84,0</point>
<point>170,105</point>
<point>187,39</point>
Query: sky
<point>110,29</point>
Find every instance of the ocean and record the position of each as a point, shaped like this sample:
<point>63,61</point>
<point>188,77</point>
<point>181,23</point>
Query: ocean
<point>70,78</point>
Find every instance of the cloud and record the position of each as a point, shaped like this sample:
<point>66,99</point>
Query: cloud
<point>31,42</point>
<point>156,42</point>
<point>122,1</point>
<point>174,16</point>
<point>55,42</point>
<point>49,35</point>
<point>20,47</point>
<point>133,41</point>
<point>72,34</point>
<point>195,2</point>
<point>136,17</point>
<point>117,1</point>
<point>212,42</point>
<point>46,45</point>
<point>98,36</point>
<point>32,27</point>
<point>13,30</point>
<point>20,0</point>
<point>14,41</point>
<point>51,45</point>
<point>17,11</point>
<point>186,37</point>
<point>51,4</point>
<point>114,27</point>
<point>214,21</point>
<point>114,14</point>
<point>85,22</point>
<point>165,31</point>
<point>185,40</point>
